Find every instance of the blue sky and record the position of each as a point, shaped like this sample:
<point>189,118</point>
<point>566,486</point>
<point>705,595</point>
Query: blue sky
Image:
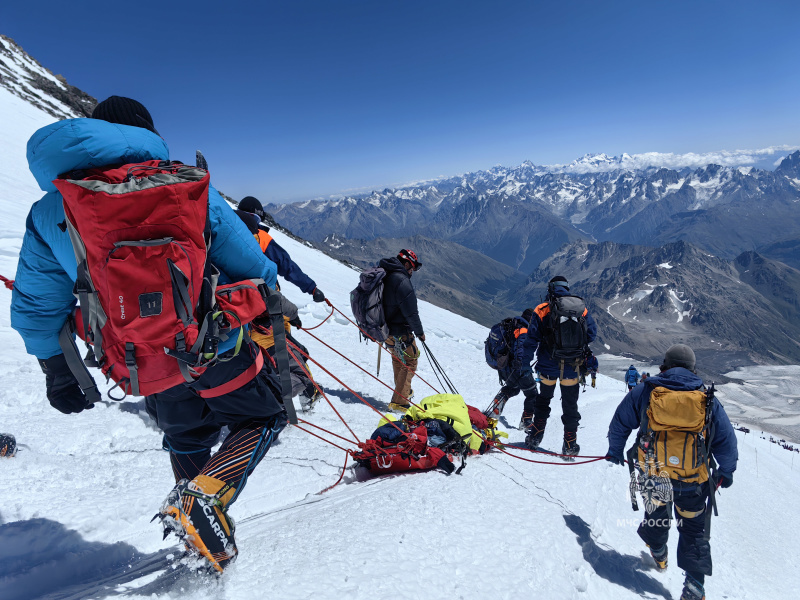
<point>296,99</point>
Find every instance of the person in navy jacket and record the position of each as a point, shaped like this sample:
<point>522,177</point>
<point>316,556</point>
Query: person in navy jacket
<point>251,211</point>
<point>537,406</point>
<point>121,131</point>
<point>690,499</point>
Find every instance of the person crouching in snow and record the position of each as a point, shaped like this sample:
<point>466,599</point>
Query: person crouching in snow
<point>680,429</point>
<point>513,379</point>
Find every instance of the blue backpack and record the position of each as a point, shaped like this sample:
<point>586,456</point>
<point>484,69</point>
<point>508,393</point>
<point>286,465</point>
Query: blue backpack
<point>499,346</point>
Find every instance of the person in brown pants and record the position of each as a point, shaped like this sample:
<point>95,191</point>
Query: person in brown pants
<point>402,317</point>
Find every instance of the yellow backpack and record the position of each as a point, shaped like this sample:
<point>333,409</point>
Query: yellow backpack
<point>672,436</point>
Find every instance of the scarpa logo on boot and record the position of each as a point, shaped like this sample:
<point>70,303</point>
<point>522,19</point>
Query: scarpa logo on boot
<point>208,511</point>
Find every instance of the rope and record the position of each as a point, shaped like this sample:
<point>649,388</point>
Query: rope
<point>9,283</point>
<point>289,346</point>
<point>500,447</point>
<point>378,379</point>
<point>321,438</point>
<point>321,323</point>
<point>338,481</point>
<point>304,354</point>
<point>304,422</point>
<point>395,358</point>
<point>431,357</point>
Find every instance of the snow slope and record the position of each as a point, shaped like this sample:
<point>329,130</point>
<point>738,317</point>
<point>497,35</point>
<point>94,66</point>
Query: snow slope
<point>77,500</point>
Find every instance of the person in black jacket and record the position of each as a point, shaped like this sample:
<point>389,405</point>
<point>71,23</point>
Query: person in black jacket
<point>402,317</point>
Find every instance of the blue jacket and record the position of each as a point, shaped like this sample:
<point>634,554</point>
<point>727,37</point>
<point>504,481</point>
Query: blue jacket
<point>42,297</point>
<point>531,343</point>
<point>632,376</point>
<point>287,268</point>
<point>628,417</point>
<point>591,364</point>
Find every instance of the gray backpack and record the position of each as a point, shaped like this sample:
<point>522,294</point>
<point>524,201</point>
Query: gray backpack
<point>366,301</point>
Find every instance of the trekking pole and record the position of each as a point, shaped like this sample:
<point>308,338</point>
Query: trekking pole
<point>379,360</point>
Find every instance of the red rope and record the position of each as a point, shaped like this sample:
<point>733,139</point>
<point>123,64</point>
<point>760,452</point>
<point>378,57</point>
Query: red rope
<point>322,438</point>
<point>289,346</point>
<point>349,389</point>
<point>378,379</point>
<point>499,446</point>
<point>395,358</point>
<point>9,283</point>
<point>304,422</point>
<point>338,481</point>
<point>321,323</point>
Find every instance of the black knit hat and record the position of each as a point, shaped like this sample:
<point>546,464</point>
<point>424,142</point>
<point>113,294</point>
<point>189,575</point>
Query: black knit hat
<point>124,111</point>
<point>252,205</point>
<point>679,355</point>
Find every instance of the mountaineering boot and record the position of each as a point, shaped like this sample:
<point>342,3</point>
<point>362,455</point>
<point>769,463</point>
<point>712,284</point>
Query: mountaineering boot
<point>398,408</point>
<point>693,589</point>
<point>496,407</point>
<point>309,397</point>
<point>570,447</point>
<point>195,512</point>
<point>535,433</point>
<point>660,556</point>
<point>525,421</point>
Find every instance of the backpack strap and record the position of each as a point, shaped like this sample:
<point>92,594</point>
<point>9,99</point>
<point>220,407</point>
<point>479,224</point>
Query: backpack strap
<point>66,339</point>
<point>275,308</point>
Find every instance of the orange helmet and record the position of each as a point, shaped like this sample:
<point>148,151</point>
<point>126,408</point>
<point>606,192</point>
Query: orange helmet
<point>409,255</point>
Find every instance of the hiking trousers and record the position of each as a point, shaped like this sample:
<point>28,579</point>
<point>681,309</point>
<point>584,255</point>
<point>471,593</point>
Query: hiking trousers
<point>192,424</point>
<point>405,357</point>
<point>570,417</point>
<point>521,382</point>
<point>694,552</point>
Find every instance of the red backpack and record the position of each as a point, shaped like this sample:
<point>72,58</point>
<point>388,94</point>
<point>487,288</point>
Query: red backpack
<point>149,302</point>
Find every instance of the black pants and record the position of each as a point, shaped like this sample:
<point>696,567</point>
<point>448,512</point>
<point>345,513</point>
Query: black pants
<point>694,552</point>
<point>192,424</point>
<point>516,383</point>
<point>570,417</point>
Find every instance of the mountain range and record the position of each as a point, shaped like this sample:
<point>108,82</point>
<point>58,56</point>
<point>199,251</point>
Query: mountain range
<point>519,216</point>
<point>706,255</point>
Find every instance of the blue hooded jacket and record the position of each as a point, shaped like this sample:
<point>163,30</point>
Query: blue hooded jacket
<point>42,297</point>
<point>632,376</point>
<point>531,343</point>
<point>628,417</point>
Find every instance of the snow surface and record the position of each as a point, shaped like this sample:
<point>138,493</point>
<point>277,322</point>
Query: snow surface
<point>78,498</point>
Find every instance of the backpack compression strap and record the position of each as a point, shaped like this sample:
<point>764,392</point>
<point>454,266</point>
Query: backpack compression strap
<point>281,353</point>
<point>66,339</point>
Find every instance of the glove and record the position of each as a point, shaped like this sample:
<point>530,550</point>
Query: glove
<point>63,391</point>
<point>615,459</point>
<point>422,337</point>
<point>445,464</point>
<point>723,479</point>
<point>296,322</point>
<point>318,295</point>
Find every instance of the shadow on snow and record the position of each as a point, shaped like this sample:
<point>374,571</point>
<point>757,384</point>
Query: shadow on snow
<point>622,569</point>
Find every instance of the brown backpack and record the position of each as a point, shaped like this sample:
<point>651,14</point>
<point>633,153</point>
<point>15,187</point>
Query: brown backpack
<point>673,435</point>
